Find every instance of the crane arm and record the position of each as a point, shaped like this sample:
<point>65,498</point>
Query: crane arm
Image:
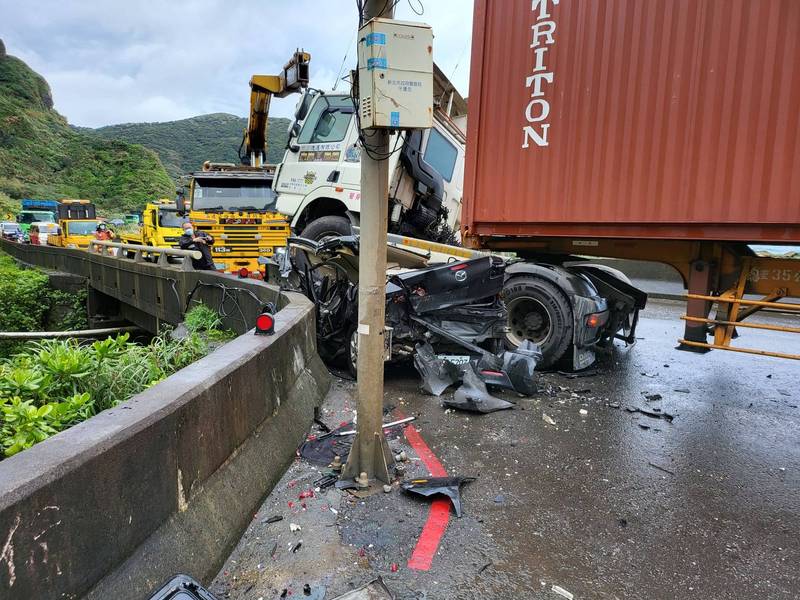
<point>293,78</point>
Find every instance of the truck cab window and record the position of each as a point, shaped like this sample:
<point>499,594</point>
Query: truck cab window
<point>233,195</point>
<point>170,218</point>
<point>441,154</point>
<point>81,227</point>
<point>327,121</point>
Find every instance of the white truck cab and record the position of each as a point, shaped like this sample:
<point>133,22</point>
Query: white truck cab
<point>319,181</point>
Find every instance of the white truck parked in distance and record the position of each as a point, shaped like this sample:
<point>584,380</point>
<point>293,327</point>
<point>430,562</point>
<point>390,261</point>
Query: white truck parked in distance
<point>319,181</point>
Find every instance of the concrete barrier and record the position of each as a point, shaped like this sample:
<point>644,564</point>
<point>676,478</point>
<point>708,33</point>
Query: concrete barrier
<point>167,481</point>
<point>148,294</point>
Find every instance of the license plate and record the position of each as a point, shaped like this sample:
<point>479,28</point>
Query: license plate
<point>456,359</point>
<point>220,266</point>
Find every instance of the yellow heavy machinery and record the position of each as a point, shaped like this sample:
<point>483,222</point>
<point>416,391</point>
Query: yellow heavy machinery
<point>77,222</point>
<point>160,226</point>
<point>236,203</point>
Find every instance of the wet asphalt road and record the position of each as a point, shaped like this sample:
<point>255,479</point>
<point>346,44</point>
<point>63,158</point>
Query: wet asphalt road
<point>611,504</point>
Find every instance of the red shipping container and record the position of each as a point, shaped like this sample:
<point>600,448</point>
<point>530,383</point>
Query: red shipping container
<point>654,119</point>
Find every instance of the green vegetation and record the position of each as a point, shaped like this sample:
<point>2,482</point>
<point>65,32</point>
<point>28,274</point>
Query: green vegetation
<point>56,384</point>
<point>27,303</point>
<point>8,207</point>
<point>184,145</point>
<point>201,319</point>
<point>42,157</point>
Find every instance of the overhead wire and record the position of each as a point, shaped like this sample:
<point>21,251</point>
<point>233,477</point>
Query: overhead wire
<point>228,298</point>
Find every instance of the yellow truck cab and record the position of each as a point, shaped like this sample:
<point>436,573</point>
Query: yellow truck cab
<point>160,226</point>
<point>73,233</point>
<point>236,205</point>
<point>77,223</point>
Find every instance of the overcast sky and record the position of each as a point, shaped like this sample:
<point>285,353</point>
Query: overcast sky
<point>111,61</point>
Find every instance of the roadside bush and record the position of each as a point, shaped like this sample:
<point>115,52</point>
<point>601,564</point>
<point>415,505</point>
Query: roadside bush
<point>202,319</point>
<point>23,300</point>
<point>26,302</point>
<point>56,384</point>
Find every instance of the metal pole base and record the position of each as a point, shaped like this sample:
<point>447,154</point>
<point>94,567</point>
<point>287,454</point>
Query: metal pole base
<point>380,462</point>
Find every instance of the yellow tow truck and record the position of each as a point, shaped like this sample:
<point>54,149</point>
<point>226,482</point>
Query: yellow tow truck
<point>77,223</point>
<point>160,226</point>
<point>236,203</point>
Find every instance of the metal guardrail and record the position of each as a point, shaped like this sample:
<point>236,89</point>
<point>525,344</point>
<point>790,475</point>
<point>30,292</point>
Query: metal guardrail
<point>141,253</point>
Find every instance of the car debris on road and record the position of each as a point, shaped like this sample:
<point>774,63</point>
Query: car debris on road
<point>430,486</point>
<point>374,590</point>
<point>655,413</point>
<point>473,396</point>
<point>562,592</point>
<point>182,587</point>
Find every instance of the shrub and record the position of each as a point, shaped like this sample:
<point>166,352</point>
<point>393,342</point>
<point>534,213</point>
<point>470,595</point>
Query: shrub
<point>26,301</point>
<point>202,319</point>
<point>55,384</point>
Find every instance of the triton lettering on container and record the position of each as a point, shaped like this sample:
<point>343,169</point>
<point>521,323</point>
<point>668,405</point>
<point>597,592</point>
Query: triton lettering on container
<point>648,130</point>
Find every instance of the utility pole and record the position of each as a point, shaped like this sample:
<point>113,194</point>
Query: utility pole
<point>370,453</point>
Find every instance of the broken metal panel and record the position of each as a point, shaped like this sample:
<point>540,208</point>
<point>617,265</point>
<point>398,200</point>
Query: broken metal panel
<point>431,486</point>
<point>473,395</point>
<point>374,590</point>
<point>437,374</point>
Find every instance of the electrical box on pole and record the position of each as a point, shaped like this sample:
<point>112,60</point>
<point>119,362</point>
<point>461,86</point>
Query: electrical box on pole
<point>395,75</point>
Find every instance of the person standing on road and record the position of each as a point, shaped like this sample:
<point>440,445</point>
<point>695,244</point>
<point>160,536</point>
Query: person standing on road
<point>200,241</point>
<point>102,232</point>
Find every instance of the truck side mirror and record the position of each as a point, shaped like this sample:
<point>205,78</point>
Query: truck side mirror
<point>180,201</point>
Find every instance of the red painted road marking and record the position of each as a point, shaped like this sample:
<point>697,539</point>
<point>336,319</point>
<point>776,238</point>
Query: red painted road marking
<point>439,515</point>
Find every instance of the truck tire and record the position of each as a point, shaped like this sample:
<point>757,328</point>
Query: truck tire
<point>539,311</point>
<point>327,226</point>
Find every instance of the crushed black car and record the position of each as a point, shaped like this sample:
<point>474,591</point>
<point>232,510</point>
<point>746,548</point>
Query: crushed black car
<point>452,310</point>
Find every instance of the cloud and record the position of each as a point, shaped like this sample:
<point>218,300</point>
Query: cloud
<point>110,61</point>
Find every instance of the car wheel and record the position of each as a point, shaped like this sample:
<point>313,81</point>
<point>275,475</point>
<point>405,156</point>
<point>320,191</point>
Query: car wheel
<point>538,311</point>
<point>351,356</point>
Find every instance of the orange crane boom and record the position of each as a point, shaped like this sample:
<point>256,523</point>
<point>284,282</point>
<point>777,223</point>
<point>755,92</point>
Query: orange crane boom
<point>293,78</point>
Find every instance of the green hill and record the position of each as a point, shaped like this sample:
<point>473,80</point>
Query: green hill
<point>42,156</point>
<point>184,145</point>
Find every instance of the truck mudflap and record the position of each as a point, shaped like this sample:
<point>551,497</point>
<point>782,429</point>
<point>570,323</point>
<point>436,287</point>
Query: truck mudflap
<point>624,301</point>
<point>585,338</point>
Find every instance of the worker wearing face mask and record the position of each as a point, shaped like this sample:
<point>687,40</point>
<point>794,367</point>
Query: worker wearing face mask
<point>200,241</point>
